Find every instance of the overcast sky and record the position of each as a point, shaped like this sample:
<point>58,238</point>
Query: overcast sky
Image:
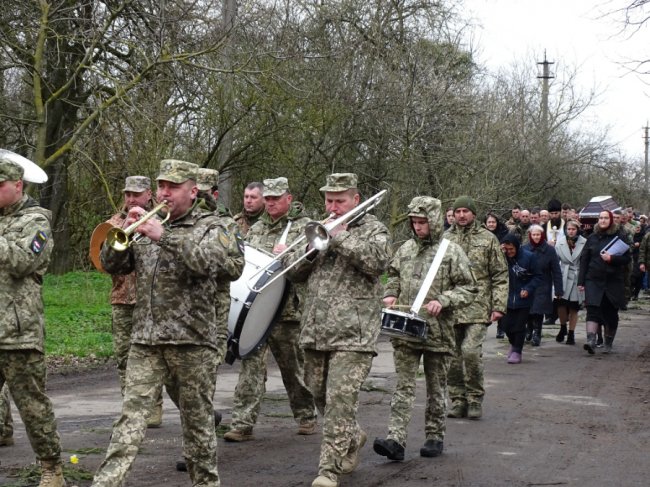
<point>574,34</point>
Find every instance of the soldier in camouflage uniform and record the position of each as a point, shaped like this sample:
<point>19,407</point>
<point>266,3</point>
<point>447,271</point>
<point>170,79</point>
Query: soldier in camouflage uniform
<point>25,251</point>
<point>490,269</point>
<point>6,421</point>
<point>281,223</point>
<point>137,192</point>
<point>208,196</point>
<point>175,338</point>
<point>253,207</point>
<point>340,323</point>
<point>452,289</point>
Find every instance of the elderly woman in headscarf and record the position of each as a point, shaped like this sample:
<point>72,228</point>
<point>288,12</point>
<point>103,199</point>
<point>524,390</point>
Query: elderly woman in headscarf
<point>601,277</point>
<point>548,265</point>
<point>569,250</point>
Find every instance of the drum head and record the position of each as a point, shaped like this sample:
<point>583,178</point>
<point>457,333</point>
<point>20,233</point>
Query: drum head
<point>252,315</point>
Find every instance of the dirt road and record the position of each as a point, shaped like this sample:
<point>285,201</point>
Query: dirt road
<point>560,418</point>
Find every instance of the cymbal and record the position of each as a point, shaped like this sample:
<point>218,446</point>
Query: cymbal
<point>33,172</point>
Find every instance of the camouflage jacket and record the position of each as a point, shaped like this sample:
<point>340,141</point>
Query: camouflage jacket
<point>177,280</point>
<point>246,221</point>
<point>343,303</point>
<point>644,250</point>
<point>123,290</point>
<point>265,234</point>
<point>25,250</point>
<point>454,286</point>
<point>489,268</point>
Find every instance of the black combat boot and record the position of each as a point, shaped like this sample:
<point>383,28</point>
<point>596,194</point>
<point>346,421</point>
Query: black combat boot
<point>561,334</point>
<point>431,448</point>
<point>571,338</point>
<point>388,448</point>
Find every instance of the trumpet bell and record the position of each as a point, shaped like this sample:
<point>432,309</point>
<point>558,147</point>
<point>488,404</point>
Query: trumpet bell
<point>118,239</point>
<point>96,240</point>
<point>317,235</point>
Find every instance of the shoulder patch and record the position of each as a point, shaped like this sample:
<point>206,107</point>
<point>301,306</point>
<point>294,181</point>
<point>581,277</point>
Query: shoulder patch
<point>224,238</point>
<point>240,242</point>
<point>38,242</point>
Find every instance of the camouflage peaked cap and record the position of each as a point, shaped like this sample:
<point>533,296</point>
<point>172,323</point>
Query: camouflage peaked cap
<point>275,187</point>
<point>10,171</point>
<point>177,171</point>
<point>340,181</point>
<point>207,179</point>
<point>137,184</point>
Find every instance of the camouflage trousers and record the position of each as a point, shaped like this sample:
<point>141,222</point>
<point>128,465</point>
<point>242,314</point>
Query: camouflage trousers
<point>335,379</point>
<point>6,421</point>
<point>122,324</point>
<point>407,364</point>
<point>24,372</point>
<point>465,379</point>
<point>192,370</point>
<point>283,344</point>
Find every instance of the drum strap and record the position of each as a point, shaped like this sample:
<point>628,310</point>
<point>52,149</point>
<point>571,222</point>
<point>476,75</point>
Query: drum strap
<point>285,234</point>
<point>431,275</point>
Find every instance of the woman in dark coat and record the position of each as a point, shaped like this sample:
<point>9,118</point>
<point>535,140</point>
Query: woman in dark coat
<point>522,281</point>
<point>602,280</point>
<point>548,265</point>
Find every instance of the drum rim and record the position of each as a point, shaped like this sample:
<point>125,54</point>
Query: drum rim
<point>233,339</point>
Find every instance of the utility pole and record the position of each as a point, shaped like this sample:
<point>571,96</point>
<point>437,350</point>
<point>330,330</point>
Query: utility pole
<point>545,76</point>
<point>646,141</point>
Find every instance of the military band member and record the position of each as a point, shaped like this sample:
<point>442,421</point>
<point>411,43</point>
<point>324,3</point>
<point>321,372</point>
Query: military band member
<point>137,192</point>
<point>340,323</point>
<point>253,207</point>
<point>490,270</point>
<point>25,251</point>
<point>453,288</point>
<point>175,336</point>
<point>270,234</point>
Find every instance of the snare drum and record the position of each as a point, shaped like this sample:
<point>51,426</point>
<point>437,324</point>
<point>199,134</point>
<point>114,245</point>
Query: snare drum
<point>252,315</point>
<point>405,326</point>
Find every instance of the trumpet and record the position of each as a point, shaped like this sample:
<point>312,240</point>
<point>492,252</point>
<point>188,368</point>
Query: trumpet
<point>121,239</point>
<point>317,235</point>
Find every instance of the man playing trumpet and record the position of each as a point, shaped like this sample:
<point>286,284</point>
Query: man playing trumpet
<point>175,336</point>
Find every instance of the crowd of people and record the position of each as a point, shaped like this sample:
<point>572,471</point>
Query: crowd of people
<point>171,300</point>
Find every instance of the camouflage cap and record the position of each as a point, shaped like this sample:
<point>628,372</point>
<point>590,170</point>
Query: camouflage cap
<point>137,184</point>
<point>207,179</point>
<point>275,187</point>
<point>177,171</point>
<point>341,181</point>
<point>10,171</point>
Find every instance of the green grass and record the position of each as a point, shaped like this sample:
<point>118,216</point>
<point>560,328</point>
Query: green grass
<point>78,315</point>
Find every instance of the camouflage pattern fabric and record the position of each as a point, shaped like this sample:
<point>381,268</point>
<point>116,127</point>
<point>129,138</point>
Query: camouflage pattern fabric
<point>490,269</point>
<point>122,325</point>
<point>335,378</point>
<point>6,421</point>
<point>283,341</point>
<point>137,184</point>
<point>192,371</point>
<point>245,221</point>
<point>24,373</point>
<point>283,344</point>
<point>465,379</point>
<point>340,327</point>
<point>25,249</point>
<point>407,364</point>
<point>177,280</point>
<point>343,298</point>
<point>454,288</point>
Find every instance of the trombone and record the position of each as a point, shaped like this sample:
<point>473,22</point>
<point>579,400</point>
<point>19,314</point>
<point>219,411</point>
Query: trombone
<point>121,239</point>
<point>318,236</point>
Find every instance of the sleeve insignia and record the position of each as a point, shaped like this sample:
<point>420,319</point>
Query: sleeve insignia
<point>39,241</point>
<point>224,238</point>
<point>240,242</point>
